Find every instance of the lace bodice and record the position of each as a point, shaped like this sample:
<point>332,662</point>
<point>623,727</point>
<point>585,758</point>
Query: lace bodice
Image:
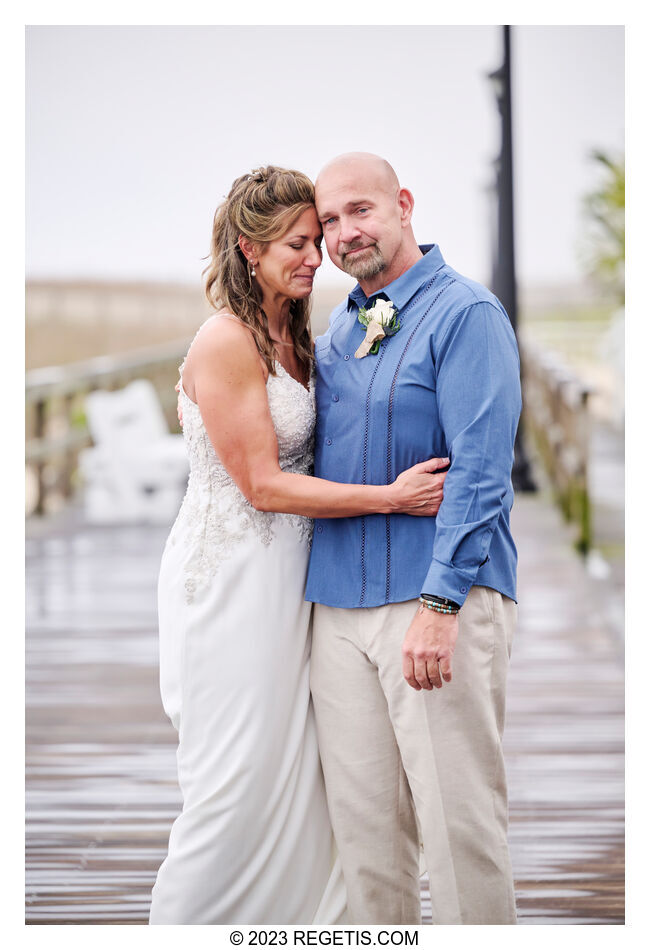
<point>215,515</point>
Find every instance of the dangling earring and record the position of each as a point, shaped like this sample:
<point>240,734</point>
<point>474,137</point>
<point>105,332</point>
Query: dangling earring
<point>251,266</point>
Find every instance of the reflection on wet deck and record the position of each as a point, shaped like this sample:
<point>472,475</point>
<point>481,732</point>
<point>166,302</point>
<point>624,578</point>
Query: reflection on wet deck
<point>101,788</point>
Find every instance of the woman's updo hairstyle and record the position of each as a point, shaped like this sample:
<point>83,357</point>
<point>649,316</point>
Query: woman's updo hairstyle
<point>261,206</point>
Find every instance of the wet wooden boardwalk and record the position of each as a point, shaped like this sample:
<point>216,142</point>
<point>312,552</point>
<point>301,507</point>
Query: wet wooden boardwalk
<point>101,790</point>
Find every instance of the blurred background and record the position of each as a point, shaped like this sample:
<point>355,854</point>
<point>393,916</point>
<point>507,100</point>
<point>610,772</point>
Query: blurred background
<point>134,135</point>
<point>512,143</point>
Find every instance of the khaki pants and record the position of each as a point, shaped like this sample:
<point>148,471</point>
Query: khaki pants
<point>395,758</point>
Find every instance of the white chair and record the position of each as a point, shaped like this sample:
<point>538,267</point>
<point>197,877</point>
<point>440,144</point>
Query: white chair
<point>136,470</point>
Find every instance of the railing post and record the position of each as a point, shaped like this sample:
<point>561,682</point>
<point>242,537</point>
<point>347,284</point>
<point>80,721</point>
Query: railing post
<point>70,457</point>
<point>39,432</point>
<point>583,437</point>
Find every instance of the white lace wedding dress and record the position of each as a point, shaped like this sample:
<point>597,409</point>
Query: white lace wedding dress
<point>253,843</point>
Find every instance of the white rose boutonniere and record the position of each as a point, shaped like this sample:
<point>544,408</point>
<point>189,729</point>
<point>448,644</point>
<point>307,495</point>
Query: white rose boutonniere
<point>380,320</point>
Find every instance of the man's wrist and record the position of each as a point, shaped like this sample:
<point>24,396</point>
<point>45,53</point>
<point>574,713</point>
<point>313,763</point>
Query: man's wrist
<point>439,605</point>
<point>442,601</point>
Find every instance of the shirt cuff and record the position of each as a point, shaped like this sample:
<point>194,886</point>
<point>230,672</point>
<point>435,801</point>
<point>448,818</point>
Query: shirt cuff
<point>442,580</point>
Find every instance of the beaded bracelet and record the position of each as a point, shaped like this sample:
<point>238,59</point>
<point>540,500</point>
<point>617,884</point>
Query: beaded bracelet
<point>439,608</point>
<point>441,601</point>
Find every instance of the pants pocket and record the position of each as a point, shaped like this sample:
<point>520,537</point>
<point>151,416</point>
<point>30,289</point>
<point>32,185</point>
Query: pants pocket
<point>488,600</point>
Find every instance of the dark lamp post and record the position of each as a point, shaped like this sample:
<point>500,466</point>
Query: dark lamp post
<point>504,283</point>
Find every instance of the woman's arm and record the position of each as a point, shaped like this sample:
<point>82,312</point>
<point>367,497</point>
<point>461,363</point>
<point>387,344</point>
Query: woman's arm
<point>229,384</point>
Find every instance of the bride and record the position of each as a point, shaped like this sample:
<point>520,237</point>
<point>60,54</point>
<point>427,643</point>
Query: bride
<point>253,843</point>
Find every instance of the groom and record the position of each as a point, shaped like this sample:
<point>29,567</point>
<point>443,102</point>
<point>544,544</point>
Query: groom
<point>413,617</point>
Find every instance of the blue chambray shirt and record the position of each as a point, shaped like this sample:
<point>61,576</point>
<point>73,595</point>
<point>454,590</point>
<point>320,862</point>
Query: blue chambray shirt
<point>446,384</point>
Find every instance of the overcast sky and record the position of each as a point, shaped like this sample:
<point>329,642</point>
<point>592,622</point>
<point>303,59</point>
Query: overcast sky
<point>134,134</point>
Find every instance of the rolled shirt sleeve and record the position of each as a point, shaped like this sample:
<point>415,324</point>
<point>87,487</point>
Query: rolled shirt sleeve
<point>479,403</point>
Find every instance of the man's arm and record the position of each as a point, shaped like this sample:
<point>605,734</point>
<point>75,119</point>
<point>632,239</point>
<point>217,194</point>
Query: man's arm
<point>479,402</point>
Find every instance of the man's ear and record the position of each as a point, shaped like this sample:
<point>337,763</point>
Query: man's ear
<point>406,204</point>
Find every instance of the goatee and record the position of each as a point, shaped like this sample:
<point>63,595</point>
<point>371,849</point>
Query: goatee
<point>365,265</point>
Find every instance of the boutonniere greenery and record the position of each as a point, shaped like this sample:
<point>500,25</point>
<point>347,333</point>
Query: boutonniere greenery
<point>380,321</point>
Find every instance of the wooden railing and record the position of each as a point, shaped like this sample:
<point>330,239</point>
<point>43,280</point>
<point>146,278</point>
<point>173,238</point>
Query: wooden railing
<point>55,416</point>
<point>556,415</point>
<point>555,412</point>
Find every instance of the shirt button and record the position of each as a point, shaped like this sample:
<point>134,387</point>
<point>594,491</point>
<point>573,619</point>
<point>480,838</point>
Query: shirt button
<point>347,356</point>
<point>320,529</point>
<point>335,398</point>
<point>329,441</point>
<point>463,590</point>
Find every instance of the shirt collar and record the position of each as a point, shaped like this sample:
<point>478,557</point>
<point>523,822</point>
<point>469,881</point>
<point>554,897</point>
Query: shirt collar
<point>407,284</point>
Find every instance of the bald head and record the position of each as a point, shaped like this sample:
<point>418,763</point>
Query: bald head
<point>362,166</point>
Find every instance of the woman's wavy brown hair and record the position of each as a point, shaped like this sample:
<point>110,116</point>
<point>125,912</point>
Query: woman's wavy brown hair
<point>261,206</point>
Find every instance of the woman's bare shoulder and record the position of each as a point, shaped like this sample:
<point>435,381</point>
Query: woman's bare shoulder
<point>225,328</point>
<point>222,341</point>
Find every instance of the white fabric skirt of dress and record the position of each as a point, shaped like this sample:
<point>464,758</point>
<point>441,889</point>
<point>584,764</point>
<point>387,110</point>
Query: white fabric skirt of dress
<point>253,844</point>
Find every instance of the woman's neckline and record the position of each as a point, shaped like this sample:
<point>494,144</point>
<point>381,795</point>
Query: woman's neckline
<point>291,376</point>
